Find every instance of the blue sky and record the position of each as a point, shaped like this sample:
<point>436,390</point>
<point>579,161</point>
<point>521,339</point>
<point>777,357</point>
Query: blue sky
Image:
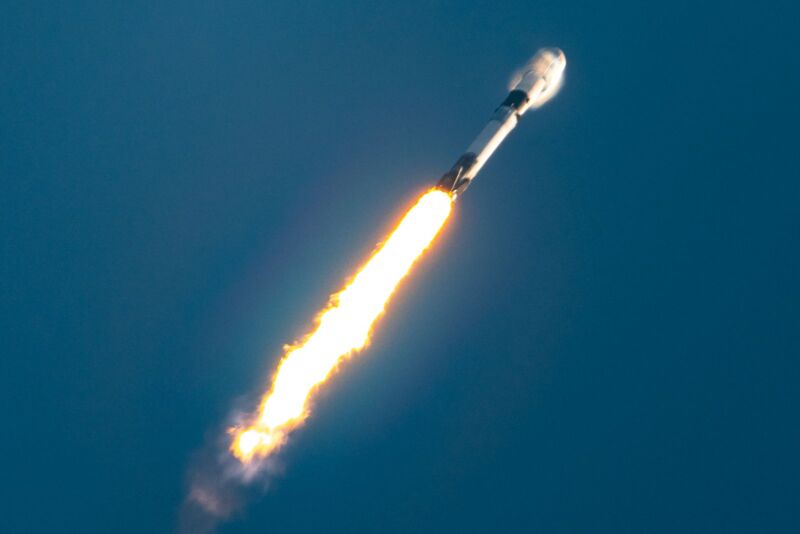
<point>604,339</point>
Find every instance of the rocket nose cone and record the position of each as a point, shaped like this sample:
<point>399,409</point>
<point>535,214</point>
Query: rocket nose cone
<point>541,77</point>
<point>557,55</point>
<point>560,58</point>
<point>549,65</point>
<point>549,61</point>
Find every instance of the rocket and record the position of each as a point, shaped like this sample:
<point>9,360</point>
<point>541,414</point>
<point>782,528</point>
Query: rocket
<point>536,84</point>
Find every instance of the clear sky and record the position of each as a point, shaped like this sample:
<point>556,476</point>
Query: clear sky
<point>604,339</point>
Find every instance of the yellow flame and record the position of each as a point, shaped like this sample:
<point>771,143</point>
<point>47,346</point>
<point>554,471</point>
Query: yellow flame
<point>343,329</point>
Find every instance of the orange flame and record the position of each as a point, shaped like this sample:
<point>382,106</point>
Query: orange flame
<point>343,329</point>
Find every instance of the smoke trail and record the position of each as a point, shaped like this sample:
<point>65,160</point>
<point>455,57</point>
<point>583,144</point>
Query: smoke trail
<point>218,486</point>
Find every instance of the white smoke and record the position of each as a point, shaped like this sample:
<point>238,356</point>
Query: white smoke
<point>218,485</point>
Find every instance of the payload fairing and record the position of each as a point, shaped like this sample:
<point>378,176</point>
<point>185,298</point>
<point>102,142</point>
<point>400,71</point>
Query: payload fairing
<point>537,83</point>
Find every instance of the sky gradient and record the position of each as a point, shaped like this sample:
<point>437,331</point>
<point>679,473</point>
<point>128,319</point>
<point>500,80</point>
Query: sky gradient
<point>605,337</point>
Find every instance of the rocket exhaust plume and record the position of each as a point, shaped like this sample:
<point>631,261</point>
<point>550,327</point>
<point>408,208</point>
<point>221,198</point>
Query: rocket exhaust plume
<point>343,328</point>
<point>219,472</point>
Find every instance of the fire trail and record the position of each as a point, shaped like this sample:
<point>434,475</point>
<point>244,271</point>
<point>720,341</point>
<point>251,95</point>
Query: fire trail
<point>344,327</point>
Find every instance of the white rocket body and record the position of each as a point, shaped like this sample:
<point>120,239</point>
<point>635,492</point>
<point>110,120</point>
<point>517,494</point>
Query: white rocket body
<point>539,81</point>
